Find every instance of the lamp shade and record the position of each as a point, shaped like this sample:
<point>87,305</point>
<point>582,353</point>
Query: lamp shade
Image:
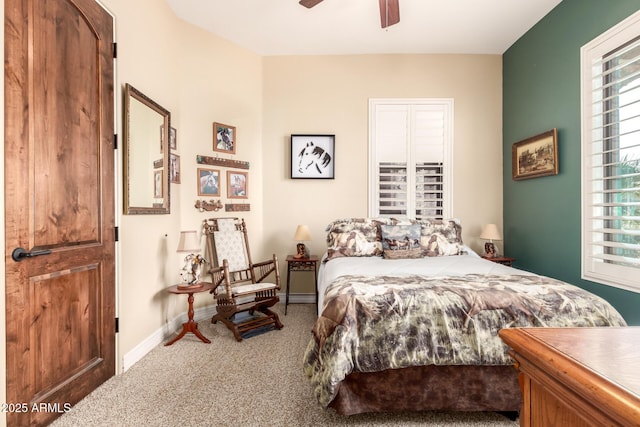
<point>490,232</point>
<point>188,242</point>
<point>302,234</point>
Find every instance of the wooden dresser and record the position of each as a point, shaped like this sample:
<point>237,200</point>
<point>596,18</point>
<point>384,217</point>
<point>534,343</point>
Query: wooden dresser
<point>577,376</point>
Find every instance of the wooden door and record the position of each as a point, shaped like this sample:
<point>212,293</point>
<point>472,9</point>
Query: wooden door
<point>59,204</point>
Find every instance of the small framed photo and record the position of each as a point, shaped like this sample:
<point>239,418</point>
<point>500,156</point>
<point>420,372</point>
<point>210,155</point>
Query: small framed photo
<point>224,138</point>
<point>313,156</point>
<point>157,184</point>
<point>237,185</point>
<point>174,168</point>
<point>208,182</point>
<point>173,138</point>
<point>536,156</point>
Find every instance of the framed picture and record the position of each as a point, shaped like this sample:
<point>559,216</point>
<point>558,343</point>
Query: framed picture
<point>224,138</point>
<point>162,138</point>
<point>174,168</point>
<point>313,156</point>
<point>536,156</point>
<point>237,185</point>
<point>208,182</point>
<point>157,184</point>
<point>173,138</point>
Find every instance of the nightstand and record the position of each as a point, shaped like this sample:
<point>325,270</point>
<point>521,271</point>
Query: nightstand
<point>301,265</point>
<point>502,260</point>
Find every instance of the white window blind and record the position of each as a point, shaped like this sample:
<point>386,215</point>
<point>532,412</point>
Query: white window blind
<point>611,156</point>
<point>410,157</point>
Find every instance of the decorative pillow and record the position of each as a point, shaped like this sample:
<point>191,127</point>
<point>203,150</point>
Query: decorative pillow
<point>401,241</point>
<point>354,237</point>
<point>441,237</point>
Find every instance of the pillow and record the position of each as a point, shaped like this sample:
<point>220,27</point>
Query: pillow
<point>401,241</point>
<point>441,237</point>
<point>357,236</point>
<point>354,237</point>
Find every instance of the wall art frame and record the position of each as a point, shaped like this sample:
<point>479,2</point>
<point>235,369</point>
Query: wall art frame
<point>173,138</point>
<point>208,182</point>
<point>313,156</point>
<point>224,138</point>
<point>174,168</point>
<point>536,156</point>
<point>237,185</point>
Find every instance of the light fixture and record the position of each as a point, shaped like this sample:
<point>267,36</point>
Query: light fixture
<point>302,235</point>
<point>490,232</point>
<point>192,268</point>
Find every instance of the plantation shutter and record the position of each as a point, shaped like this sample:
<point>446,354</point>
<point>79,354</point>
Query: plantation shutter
<point>410,158</point>
<point>611,162</point>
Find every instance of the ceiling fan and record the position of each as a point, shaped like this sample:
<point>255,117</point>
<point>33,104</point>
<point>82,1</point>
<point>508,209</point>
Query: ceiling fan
<point>389,10</point>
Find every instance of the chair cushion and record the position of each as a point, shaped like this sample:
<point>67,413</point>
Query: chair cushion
<point>251,288</point>
<point>230,246</point>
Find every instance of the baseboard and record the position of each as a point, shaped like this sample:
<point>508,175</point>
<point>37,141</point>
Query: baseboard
<point>300,298</point>
<point>162,334</point>
<point>174,325</point>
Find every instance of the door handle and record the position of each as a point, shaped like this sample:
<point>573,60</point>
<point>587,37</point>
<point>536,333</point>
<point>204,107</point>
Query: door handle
<point>19,254</point>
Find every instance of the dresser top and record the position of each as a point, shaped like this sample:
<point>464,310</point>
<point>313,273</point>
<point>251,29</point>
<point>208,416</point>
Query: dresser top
<point>610,352</point>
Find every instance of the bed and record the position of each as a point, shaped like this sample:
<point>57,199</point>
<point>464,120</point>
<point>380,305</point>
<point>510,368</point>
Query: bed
<point>409,318</point>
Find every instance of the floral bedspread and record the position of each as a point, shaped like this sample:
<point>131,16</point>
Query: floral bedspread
<point>374,323</point>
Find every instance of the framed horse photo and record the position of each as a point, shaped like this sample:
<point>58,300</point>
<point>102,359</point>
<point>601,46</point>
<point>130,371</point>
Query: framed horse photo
<point>224,138</point>
<point>313,156</point>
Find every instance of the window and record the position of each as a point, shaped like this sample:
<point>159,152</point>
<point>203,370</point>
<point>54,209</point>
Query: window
<point>610,73</point>
<point>410,157</point>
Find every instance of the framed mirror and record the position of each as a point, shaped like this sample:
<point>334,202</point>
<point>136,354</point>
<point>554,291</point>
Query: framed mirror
<point>146,154</point>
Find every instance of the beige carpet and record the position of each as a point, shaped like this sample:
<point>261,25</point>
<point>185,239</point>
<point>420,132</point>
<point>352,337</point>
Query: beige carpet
<point>257,382</point>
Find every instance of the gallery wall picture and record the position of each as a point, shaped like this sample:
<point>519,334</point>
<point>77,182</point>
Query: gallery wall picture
<point>174,168</point>
<point>224,138</point>
<point>313,156</point>
<point>173,138</point>
<point>237,185</point>
<point>208,182</point>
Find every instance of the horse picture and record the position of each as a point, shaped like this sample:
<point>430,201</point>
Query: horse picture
<point>209,182</point>
<point>312,157</point>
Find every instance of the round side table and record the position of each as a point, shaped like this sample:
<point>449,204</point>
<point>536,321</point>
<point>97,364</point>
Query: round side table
<point>190,325</point>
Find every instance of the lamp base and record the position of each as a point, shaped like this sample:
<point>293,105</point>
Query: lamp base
<point>490,250</point>
<point>301,251</point>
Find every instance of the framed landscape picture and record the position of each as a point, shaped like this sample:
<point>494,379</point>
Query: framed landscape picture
<point>536,156</point>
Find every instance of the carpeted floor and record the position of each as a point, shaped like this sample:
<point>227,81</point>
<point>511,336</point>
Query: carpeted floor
<point>257,382</point>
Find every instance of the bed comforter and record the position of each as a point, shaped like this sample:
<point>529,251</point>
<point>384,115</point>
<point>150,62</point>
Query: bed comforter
<point>375,323</point>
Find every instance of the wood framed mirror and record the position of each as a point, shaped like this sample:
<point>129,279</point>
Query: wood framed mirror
<point>146,154</point>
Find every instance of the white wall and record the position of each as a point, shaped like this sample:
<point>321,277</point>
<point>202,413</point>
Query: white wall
<point>329,95</point>
<point>200,79</point>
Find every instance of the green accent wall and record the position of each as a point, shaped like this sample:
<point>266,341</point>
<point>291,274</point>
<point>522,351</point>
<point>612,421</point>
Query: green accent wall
<point>541,91</point>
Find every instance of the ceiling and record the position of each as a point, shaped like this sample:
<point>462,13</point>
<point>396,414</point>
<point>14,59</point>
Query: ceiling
<point>283,27</point>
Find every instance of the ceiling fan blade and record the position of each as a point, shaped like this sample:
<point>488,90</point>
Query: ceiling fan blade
<point>389,12</point>
<point>309,3</point>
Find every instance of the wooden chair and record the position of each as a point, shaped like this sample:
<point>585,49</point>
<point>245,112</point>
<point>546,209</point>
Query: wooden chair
<point>239,285</point>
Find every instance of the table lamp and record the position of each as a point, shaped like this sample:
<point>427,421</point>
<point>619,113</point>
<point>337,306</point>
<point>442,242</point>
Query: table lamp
<point>490,232</point>
<point>302,234</point>
<point>193,262</point>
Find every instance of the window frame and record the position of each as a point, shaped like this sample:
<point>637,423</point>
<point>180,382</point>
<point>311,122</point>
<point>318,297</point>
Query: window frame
<point>599,263</point>
<point>446,106</point>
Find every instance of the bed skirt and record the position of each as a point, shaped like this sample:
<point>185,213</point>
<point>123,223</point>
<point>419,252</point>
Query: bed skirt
<point>430,388</point>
